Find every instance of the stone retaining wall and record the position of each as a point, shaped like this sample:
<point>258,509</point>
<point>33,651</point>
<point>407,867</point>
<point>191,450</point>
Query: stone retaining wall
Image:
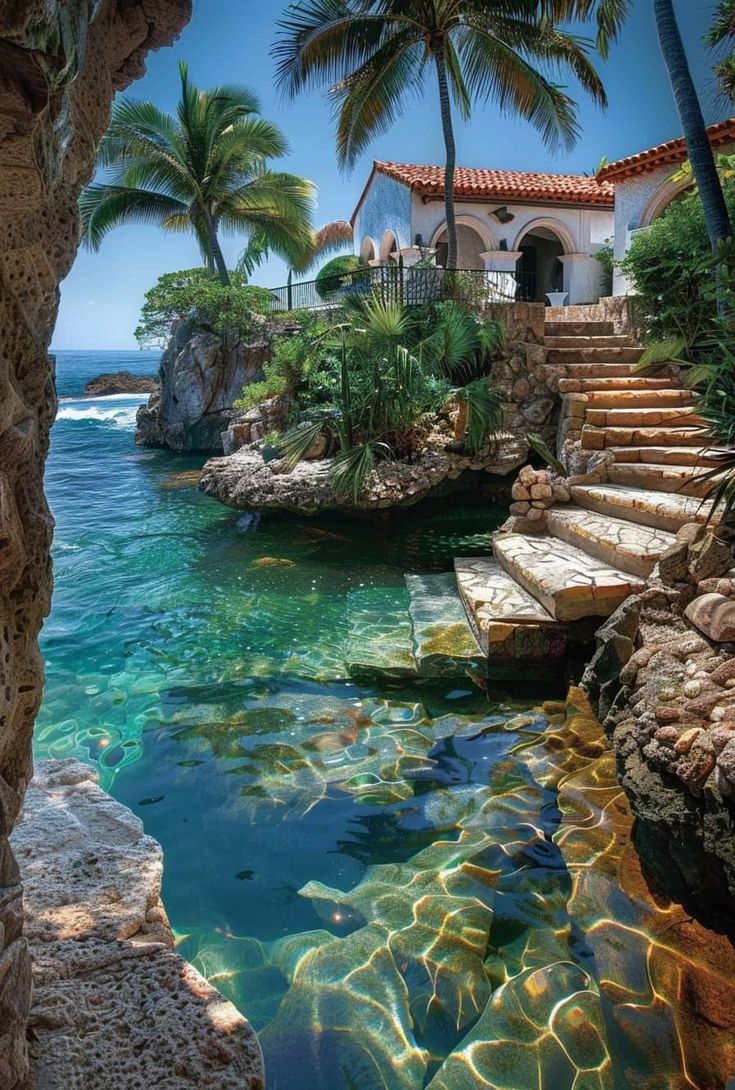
<point>610,308</point>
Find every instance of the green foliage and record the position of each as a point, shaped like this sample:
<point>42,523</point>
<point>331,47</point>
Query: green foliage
<point>352,468</point>
<point>294,444</point>
<point>670,265</point>
<point>606,257</point>
<point>539,446</point>
<point>485,412</point>
<point>335,273</point>
<point>293,368</point>
<point>193,295</point>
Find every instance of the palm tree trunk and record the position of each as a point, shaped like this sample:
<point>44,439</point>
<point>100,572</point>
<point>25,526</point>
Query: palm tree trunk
<point>700,151</point>
<point>216,250</point>
<point>451,155</point>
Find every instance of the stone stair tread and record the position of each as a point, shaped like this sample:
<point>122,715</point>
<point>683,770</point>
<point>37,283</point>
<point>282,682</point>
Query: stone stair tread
<point>575,327</point>
<point>509,623</point>
<point>684,479</point>
<point>574,369</point>
<point>380,641</point>
<point>624,382</point>
<point>598,340</point>
<point>568,582</point>
<point>444,644</point>
<point>700,457</point>
<point>627,354</point>
<point>643,418</point>
<point>638,398</point>
<point>666,511</point>
<point>615,541</point>
<point>594,438</point>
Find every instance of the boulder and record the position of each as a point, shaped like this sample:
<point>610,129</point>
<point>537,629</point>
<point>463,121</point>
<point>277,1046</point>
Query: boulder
<point>714,615</point>
<point>121,382</point>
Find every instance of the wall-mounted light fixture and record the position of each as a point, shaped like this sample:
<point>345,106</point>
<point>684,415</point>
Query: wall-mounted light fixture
<point>502,215</point>
<point>419,241</point>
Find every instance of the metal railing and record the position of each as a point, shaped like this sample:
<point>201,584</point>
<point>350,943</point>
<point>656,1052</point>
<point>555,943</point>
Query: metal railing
<point>413,286</point>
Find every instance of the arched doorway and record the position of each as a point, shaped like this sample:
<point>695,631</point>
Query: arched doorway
<point>389,247</point>
<point>473,240</point>
<point>541,246</point>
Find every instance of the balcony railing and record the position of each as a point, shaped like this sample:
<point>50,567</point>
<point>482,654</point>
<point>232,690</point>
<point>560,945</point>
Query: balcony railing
<point>414,286</point>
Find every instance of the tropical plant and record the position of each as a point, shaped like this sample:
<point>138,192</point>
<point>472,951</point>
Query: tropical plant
<point>716,213</point>
<point>670,266</point>
<point>204,170</point>
<point>335,273</point>
<point>192,295</point>
<point>374,54</point>
<point>722,33</point>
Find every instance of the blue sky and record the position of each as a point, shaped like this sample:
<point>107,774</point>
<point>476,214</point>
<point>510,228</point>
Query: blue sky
<point>229,40</point>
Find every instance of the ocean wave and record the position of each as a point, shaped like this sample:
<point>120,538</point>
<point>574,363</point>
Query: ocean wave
<point>118,417</point>
<point>87,398</point>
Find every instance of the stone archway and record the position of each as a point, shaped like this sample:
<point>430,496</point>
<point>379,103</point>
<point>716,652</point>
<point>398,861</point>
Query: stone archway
<point>368,251</point>
<point>389,247</point>
<point>542,244</point>
<point>665,195</point>
<point>474,238</point>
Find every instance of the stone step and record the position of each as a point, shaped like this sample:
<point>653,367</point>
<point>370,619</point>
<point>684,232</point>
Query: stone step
<point>683,480</point>
<point>643,418</point>
<point>601,438</point>
<point>444,644</point>
<point>575,328</point>
<point>569,583</point>
<point>639,399</point>
<point>612,340</point>
<point>379,644</point>
<point>658,509</point>
<point>496,606</point>
<point>702,457</point>
<point>594,355</point>
<point>617,542</point>
<point>598,370</point>
<point>624,382</point>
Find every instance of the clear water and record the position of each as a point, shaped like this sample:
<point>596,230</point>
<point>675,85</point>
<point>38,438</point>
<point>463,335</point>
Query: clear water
<point>356,866</point>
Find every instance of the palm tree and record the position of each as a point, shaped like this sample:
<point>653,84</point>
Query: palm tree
<point>204,170</point>
<point>375,53</point>
<point>700,151</point>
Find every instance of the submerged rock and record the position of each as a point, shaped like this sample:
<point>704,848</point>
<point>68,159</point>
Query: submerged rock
<point>245,481</point>
<point>121,382</point>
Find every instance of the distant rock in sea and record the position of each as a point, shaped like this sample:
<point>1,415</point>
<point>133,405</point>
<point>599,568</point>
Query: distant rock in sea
<point>121,382</point>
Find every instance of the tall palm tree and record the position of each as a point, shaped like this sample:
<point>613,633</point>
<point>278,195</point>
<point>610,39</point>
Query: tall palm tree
<point>374,53</point>
<point>204,170</point>
<point>700,151</point>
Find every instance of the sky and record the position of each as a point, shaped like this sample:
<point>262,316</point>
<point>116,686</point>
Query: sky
<point>230,40</point>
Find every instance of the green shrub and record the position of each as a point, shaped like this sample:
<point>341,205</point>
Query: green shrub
<point>193,295</point>
<point>669,265</point>
<point>335,273</point>
<point>606,257</point>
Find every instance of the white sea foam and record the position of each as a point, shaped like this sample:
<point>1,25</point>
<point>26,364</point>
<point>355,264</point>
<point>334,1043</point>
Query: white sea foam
<point>119,416</point>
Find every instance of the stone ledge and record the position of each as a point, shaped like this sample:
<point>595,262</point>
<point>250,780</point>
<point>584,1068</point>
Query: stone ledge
<point>110,992</point>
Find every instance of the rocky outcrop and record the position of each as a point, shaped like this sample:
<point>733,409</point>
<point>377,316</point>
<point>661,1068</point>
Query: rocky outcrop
<point>61,65</point>
<point>201,376</point>
<point>665,693</point>
<point>110,991</point>
<point>243,480</point>
<point>120,382</point>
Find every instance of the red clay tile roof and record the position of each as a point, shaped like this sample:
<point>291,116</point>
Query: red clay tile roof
<point>674,151</point>
<point>503,184</point>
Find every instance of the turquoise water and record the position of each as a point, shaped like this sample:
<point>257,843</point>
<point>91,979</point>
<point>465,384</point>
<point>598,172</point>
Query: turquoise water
<point>356,866</point>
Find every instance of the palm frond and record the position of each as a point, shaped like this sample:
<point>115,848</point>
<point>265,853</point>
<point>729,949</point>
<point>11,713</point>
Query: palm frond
<point>352,468</point>
<point>485,412</point>
<point>672,350</point>
<point>294,444</point>
<point>539,446</point>
<point>104,207</point>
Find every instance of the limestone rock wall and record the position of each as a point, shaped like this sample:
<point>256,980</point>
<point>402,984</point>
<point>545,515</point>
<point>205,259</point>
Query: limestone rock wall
<point>201,375</point>
<point>528,385</point>
<point>60,64</point>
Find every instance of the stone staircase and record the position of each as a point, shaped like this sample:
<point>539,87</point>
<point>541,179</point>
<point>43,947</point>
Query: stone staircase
<point>593,552</point>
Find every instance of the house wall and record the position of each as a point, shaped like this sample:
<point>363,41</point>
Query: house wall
<point>387,207</point>
<point>638,201</point>
<point>586,228</point>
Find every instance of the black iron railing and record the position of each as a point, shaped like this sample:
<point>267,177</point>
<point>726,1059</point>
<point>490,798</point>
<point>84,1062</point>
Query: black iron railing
<point>413,287</point>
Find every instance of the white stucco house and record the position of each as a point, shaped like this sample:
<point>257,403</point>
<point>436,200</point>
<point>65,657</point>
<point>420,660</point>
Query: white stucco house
<point>644,188</point>
<point>545,227</point>
<point>541,230</point>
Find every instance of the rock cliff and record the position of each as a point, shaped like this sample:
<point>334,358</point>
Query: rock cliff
<point>61,63</point>
<point>201,375</point>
